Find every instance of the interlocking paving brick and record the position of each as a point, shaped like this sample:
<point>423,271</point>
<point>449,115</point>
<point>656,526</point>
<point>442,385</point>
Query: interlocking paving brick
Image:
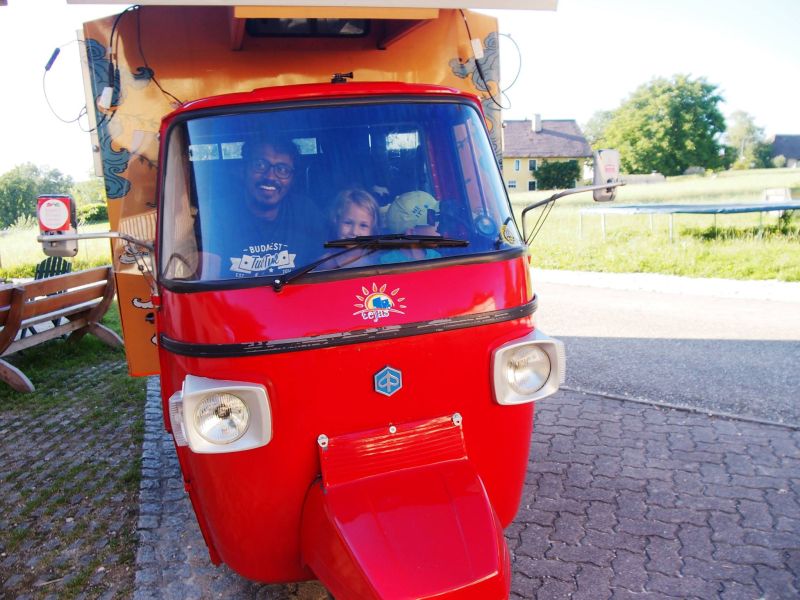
<point>629,571</point>
<point>622,500</point>
<point>68,467</point>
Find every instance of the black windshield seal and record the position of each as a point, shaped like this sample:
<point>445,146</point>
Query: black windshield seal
<point>186,287</point>
<point>197,286</point>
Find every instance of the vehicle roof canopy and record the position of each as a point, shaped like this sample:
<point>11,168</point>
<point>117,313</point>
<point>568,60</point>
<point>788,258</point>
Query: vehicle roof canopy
<point>485,4</point>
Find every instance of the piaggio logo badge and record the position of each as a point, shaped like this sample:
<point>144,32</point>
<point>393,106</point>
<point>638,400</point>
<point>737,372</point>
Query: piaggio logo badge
<point>374,305</point>
<point>388,381</point>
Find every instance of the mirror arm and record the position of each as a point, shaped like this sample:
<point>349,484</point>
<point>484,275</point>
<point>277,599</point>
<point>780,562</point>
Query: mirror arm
<point>569,192</point>
<point>68,237</point>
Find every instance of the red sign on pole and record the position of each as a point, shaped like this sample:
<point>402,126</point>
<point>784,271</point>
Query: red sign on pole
<point>54,213</point>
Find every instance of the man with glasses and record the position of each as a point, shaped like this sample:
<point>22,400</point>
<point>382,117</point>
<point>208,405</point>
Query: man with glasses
<point>278,232</point>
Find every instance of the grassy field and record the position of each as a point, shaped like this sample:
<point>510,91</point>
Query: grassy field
<point>738,247</point>
<point>746,246</point>
<point>20,252</point>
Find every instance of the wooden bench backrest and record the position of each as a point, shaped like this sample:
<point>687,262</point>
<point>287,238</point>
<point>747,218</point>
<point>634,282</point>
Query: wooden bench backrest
<point>54,293</point>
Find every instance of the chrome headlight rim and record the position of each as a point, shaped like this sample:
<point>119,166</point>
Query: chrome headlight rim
<point>184,405</point>
<point>504,393</point>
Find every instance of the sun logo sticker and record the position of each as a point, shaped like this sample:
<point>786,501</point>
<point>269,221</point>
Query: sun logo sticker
<point>376,304</point>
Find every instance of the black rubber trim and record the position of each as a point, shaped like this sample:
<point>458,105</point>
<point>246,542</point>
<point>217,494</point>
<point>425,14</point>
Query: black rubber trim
<point>359,336</point>
<point>187,287</point>
<point>179,286</point>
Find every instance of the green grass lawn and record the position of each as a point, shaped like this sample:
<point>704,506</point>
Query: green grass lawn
<point>744,246</point>
<point>738,247</point>
<point>20,252</point>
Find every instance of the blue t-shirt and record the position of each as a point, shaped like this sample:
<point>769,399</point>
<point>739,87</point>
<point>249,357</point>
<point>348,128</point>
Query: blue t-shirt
<point>251,246</point>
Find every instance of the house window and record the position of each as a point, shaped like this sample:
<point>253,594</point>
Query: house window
<point>531,186</point>
<point>512,183</point>
<point>532,165</point>
<point>516,164</point>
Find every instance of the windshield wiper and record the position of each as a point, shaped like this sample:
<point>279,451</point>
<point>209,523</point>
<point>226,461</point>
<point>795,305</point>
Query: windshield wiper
<point>282,280</point>
<point>397,240</point>
<point>371,242</point>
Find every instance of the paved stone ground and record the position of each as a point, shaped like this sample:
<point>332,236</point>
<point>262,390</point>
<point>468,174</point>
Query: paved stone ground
<point>622,500</point>
<point>69,479</point>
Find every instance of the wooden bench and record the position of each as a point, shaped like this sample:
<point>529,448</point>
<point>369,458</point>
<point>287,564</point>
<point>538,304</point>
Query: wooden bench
<point>49,267</point>
<point>81,298</point>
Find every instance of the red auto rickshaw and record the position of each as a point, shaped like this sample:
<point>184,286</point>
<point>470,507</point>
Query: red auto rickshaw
<point>366,423</point>
<point>340,293</point>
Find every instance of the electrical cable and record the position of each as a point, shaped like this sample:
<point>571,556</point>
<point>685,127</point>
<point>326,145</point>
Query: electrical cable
<point>144,59</point>
<point>47,68</point>
<point>53,110</point>
<point>519,63</point>
<point>480,69</point>
<point>113,63</point>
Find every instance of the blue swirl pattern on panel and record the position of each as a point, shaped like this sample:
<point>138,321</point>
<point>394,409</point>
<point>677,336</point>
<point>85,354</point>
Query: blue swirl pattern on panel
<point>114,161</point>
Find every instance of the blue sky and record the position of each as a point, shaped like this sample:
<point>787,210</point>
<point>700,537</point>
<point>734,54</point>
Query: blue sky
<point>589,55</point>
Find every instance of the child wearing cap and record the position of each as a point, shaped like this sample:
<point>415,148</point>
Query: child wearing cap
<point>409,214</point>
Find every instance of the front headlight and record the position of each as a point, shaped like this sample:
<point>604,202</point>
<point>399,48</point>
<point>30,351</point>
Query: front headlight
<point>221,418</point>
<point>213,416</point>
<point>528,369</point>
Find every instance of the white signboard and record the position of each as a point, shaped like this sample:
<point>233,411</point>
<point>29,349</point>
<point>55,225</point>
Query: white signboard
<point>53,215</point>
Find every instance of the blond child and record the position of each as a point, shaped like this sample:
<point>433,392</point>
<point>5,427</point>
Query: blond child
<point>355,213</point>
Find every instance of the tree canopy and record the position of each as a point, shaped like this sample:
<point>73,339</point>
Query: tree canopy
<point>747,139</point>
<point>667,125</point>
<point>22,185</point>
<point>594,129</point>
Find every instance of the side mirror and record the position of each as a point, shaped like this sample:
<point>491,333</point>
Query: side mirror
<point>58,226</point>
<point>606,170</point>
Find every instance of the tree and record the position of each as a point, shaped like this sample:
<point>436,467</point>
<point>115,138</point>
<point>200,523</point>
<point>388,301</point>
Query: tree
<point>668,125</point>
<point>20,187</point>
<point>748,139</point>
<point>595,128</point>
<point>91,191</point>
<point>557,175</point>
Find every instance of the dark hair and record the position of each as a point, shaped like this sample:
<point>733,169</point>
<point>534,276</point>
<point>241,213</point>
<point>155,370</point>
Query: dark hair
<point>283,145</point>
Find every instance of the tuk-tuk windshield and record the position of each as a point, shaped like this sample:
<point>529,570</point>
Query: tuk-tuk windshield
<point>260,193</point>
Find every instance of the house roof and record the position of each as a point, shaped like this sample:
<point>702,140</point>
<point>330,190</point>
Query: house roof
<point>787,145</point>
<point>559,138</point>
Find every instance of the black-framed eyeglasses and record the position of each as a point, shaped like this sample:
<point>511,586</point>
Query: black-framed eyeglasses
<point>281,170</point>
